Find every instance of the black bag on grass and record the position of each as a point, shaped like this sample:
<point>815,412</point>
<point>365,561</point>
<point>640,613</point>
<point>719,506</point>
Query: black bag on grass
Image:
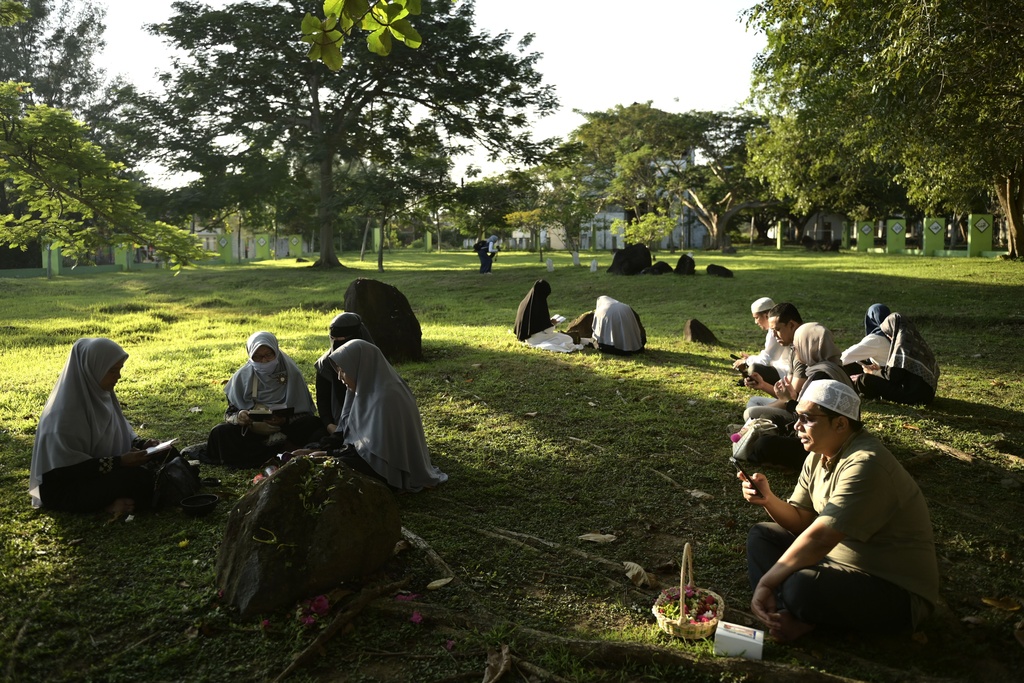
<point>176,479</point>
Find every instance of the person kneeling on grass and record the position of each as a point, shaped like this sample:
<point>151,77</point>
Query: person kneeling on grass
<point>86,456</point>
<point>535,326</point>
<point>853,545</point>
<point>383,436</point>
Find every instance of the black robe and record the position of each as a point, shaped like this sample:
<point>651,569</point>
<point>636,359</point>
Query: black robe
<point>533,316</point>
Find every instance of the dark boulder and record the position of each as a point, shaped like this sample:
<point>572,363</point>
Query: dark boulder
<point>630,260</point>
<point>719,271</point>
<point>696,331</point>
<point>310,526</point>
<point>387,314</point>
<point>659,268</point>
<point>582,327</point>
<point>685,265</point>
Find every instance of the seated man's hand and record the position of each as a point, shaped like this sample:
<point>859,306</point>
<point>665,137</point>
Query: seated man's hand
<point>740,362</point>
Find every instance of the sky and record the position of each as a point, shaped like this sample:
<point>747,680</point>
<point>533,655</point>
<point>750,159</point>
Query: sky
<point>679,54</point>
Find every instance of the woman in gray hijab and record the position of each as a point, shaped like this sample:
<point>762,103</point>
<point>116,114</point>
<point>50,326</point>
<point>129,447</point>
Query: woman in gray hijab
<point>384,427</point>
<point>332,396</point>
<point>86,456</point>
<point>269,409</point>
<point>910,374</point>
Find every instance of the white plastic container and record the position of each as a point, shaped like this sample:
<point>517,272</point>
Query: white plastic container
<point>733,640</point>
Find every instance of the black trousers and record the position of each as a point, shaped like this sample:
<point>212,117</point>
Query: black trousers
<point>234,446</point>
<point>95,492</point>
<point>829,593</point>
<point>902,386</point>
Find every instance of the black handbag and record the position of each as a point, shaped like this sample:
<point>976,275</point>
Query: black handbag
<point>176,479</point>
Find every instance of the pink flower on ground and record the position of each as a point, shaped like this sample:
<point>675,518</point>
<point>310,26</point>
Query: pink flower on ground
<point>265,624</point>
<point>449,645</point>
<point>416,617</point>
<point>406,596</point>
<point>319,605</point>
<point>308,620</point>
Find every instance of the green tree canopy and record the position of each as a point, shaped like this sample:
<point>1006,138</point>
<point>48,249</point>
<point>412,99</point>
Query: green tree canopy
<point>465,85</point>
<point>930,86</point>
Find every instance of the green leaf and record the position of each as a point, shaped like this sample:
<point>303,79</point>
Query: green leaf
<point>356,9</point>
<point>395,12</point>
<point>335,7</point>
<point>332,56</point>
<point>412,5</point>
<point>330,22</point>
<point>370,23</point>
<point>310,24</point>
<point>314,52</point>
<point>379,42</point>
<point>404,31</point>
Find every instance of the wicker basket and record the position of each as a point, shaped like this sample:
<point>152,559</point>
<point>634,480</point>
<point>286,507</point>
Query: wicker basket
<point>683,627</point>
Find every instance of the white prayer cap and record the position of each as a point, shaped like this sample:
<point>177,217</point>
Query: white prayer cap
<point>761,305</point>
<point>836,396</point>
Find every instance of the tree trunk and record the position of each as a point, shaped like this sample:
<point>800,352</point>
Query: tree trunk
<point>1010,191</point>
<point>325,217</point>
<point>366,234</point>
<point>380,248</point>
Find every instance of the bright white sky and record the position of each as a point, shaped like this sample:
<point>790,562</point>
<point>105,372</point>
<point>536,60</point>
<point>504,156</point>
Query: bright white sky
<point>680,54</point>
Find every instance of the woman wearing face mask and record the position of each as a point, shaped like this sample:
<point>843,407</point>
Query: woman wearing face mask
<point>333,398</point>
<point>269,409</point>
<point>86,456</point>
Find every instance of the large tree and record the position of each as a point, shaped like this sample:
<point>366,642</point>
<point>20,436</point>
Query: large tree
<point>53,50</point>
<point>66,192</point>
<point>245,82</point>
<point>932,86</point>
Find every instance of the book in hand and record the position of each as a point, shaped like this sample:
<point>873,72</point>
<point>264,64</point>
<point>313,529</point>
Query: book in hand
<point>269,412</point>
<point>162,446</point>
<point>558,318</point>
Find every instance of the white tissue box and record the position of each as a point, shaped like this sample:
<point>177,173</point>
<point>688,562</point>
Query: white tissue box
<point>733,640</point>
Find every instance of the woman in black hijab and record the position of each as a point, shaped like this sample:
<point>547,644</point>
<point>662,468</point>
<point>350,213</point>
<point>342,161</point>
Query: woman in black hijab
<point>533,315</point>
<point>332,396</point>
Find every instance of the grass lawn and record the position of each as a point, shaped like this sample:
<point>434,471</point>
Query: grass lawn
<point>547,445</point>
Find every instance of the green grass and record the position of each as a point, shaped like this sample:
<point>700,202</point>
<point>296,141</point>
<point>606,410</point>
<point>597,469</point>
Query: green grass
<point>83,600</point>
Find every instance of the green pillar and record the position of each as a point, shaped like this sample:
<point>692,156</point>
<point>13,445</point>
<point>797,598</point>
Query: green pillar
<point>262,241</point>
<point>428,241</point>
<point>780,229</point>
<point>295,245</point>
<point>224,247</point>
<point>52,259</point>
<point>934,237</point>
<point>377,232</point>
<point>979,237</point>
<point>121,257</point>
<point>846,235</point>
<point>865,235</point>
<point>895,236</point>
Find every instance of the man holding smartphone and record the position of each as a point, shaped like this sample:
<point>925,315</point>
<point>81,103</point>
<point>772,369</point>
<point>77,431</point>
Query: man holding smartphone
<point>854,535</point>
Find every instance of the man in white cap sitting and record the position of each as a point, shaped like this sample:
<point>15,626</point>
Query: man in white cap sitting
<point>853,546</point>
<point>773,363</point>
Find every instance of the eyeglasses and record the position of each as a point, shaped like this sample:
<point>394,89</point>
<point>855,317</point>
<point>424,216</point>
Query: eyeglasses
<point>808,418</point>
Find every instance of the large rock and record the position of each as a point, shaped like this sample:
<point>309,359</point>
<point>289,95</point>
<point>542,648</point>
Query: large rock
<point>630,260</point>
<point>389,317</point>
<point>696,331</point>
<point>582,327</point>
<point>659,268</point>
<point>302,531</point>
<point>685,265</point>
<point>718,271</point>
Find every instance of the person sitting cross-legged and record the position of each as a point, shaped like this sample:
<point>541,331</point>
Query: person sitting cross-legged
<point>854,538</point>
<point>773,362</point>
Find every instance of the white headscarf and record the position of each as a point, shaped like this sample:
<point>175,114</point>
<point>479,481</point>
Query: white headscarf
<point>80,420</point>
<point>279,382</point>
<point>615,325</point>
<point>384,423</point>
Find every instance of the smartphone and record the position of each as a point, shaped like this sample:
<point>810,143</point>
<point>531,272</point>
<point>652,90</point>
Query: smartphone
<point>739,468</point>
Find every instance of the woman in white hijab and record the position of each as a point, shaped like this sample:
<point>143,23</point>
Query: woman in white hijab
<point>86,456</point>
<point>384,425</point>
<point>617,328</point>
<point>269,382</point>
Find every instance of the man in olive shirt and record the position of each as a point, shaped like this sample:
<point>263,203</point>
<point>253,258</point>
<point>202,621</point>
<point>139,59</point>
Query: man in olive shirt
<point>853,545</point>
